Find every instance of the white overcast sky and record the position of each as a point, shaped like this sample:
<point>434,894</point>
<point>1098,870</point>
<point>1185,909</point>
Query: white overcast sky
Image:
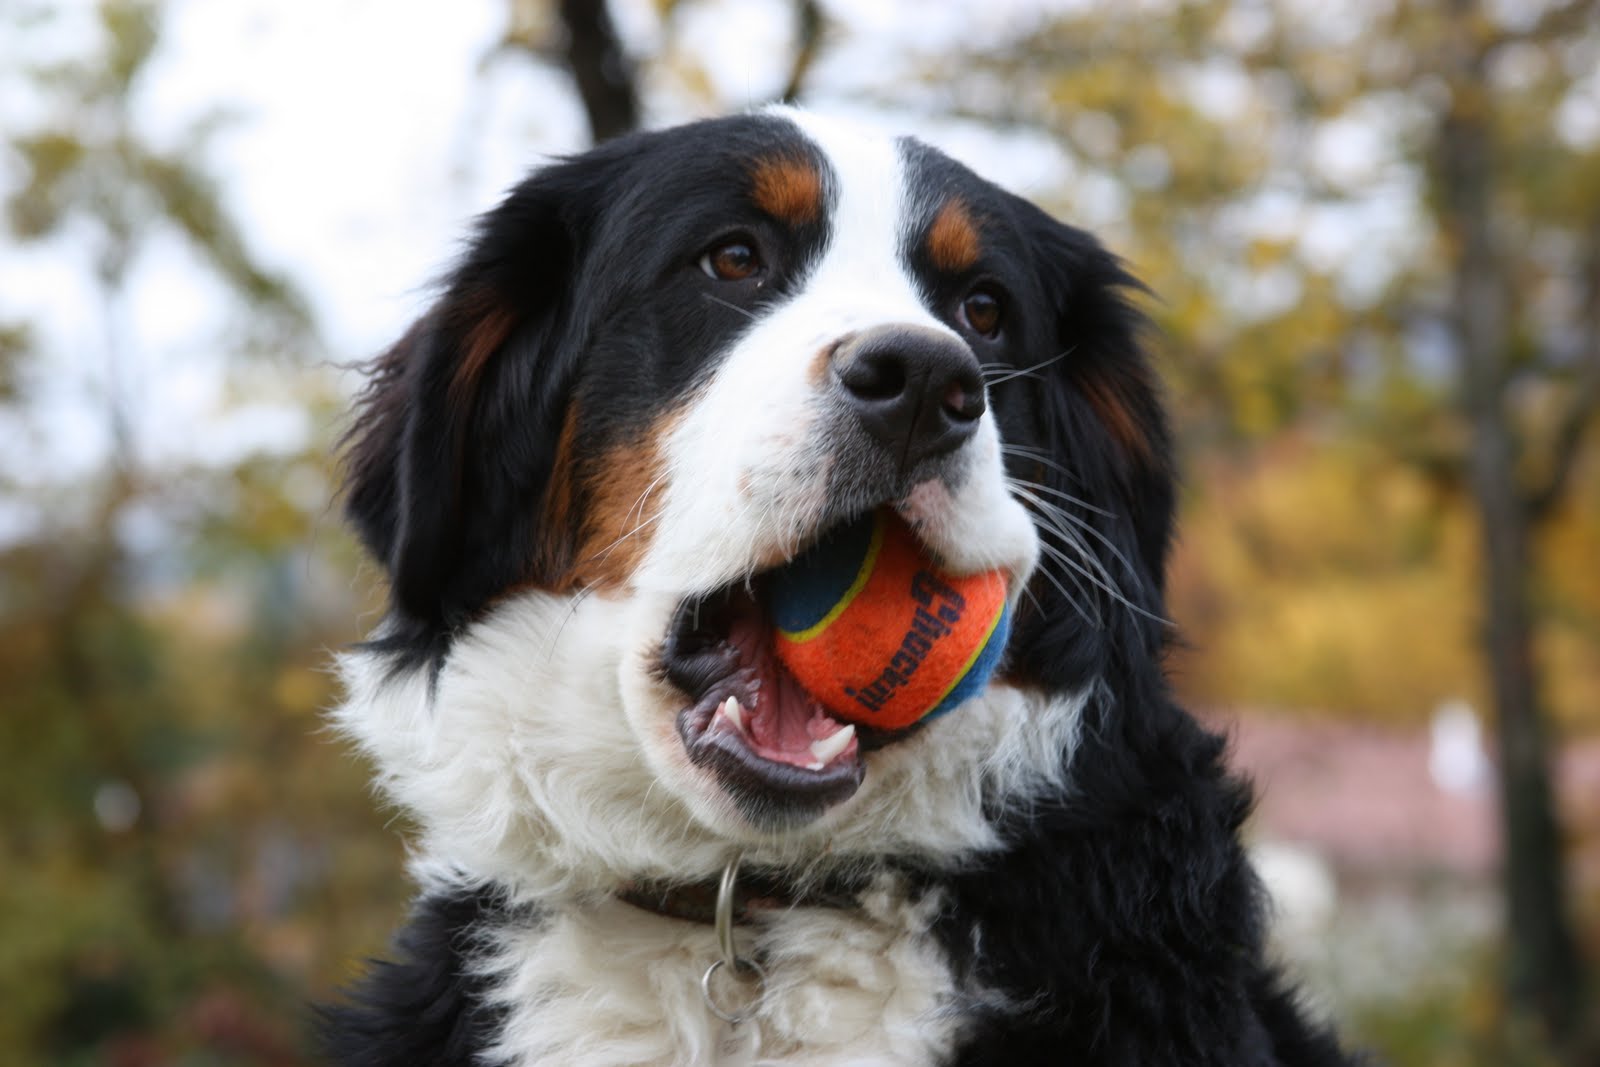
<point>367,135</point>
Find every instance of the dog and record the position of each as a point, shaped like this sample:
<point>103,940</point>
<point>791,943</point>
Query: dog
<point>659,370</point>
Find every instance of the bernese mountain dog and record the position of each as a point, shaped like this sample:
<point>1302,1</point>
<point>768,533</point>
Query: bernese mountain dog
<point>658,371</point>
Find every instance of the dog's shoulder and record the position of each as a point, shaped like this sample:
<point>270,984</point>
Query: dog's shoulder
<point>425,1005</point>
<point>1125,922</point>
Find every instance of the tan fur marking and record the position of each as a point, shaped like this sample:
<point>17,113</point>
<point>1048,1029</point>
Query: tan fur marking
<point>490,324</point>
<point>787,188</point>
<point>625,494</point>
<point>555,553</point>
<point>952,240</point>
<point>1111,405</point>
<point>821,363</point>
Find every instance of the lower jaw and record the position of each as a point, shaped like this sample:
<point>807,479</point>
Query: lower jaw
<point>768,795</point>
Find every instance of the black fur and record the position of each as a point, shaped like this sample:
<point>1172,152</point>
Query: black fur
<point>1122,924</point>
<point>1125,920</point>
<point>427,1007</point>
<point>448,473</point>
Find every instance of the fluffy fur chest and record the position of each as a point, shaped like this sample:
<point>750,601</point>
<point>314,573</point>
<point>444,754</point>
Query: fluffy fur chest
<point>608,984</point>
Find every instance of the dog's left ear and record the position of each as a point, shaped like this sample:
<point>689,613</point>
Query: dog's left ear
<point>1097,415</point>
<point>452,461</point>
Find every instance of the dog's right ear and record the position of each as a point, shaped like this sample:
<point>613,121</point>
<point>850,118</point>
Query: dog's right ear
<point>454,445</point>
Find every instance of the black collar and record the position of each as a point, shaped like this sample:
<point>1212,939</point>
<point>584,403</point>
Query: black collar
<point>754,893</point>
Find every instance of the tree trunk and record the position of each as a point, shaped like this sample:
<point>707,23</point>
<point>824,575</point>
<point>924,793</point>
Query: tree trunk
<point>601,68</point>
<point>1543,974</point>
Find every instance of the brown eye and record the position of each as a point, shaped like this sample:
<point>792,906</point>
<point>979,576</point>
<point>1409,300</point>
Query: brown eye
<point>732,262</point>
<point>981,309</point>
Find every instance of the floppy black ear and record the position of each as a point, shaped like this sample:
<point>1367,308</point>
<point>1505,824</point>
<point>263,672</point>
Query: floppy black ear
<point>1106,389</point>
<point>1101,460</point>
<point>449,461</point>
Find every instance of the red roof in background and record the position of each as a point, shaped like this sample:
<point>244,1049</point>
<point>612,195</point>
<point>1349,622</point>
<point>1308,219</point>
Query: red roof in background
<point>1365,798</point>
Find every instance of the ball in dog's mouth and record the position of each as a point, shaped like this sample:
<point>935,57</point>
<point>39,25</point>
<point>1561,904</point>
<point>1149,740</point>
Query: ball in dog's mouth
<point>777,752</point>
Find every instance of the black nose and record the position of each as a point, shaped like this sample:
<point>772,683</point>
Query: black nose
<point>916,390</point>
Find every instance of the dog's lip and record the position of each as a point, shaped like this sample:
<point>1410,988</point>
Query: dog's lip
<point>748,721</point>
<point>743,771</point>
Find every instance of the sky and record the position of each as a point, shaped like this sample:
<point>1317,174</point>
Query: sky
<point>362,136</point>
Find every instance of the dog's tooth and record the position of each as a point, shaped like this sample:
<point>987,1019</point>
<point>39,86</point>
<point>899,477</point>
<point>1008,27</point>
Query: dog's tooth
<point>827,749</point>
<point>734,713</point>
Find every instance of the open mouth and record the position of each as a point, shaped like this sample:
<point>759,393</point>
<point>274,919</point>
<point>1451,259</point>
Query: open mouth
<point>777,751</point>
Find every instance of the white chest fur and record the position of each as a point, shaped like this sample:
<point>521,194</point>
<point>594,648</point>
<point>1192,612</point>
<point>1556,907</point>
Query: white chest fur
<point>608,984</point>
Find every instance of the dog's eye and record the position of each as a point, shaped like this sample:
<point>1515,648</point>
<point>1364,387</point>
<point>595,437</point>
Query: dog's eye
<point>735,261</point>
<point>981,310</point>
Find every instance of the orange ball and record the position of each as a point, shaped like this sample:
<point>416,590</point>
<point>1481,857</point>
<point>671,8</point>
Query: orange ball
<point>877,633</point>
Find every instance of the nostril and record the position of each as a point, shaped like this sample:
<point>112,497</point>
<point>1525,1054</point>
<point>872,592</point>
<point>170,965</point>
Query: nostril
<point>963,401</point>
<point>875,376</point>
<point>917,391</point>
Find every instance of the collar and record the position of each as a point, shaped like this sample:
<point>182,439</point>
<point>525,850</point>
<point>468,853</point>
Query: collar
<point>754,894</point>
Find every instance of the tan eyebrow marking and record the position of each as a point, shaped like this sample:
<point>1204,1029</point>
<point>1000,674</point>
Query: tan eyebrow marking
<point>788,188</point>
<point>952,239</point>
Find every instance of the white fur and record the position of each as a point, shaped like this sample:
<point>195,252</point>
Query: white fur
<point>747,468</point>
<point>544,757</point>
<point>606,984</point>
<point>520,770</point>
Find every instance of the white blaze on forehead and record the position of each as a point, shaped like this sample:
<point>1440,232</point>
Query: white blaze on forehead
<point>863,273</point>
<point>747,470</point>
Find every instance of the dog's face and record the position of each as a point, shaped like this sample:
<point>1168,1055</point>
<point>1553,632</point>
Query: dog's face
<point>659,371</point>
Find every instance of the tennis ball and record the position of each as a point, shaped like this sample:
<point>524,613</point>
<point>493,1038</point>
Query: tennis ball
<point>880,636</point>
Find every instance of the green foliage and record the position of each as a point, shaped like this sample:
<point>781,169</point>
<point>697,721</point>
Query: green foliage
<point>1306,369</point>
<point>1454,1024</point>
<point>193,854</point>
<point>92,164</point>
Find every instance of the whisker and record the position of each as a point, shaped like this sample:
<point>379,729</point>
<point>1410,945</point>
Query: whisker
<point>1087,559</point>
<point>638,506</point>
<point>1104,579</point>
<point>1069,598</point>
<point>1111,592</point>
<point>1061,493</point>
<point>1051,516</point>
<point>1030,370</point>
<point>1080,561</point>
<point>1041,456</point>
<point>1057,553</point>
<point>746,312</point>
<point>1082,523</point>
<point>572,610</point>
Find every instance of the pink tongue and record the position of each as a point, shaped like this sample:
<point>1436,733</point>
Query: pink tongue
<point>785,719</point>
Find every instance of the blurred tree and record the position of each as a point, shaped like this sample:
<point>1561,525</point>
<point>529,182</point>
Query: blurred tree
<point>583,38</point>
<point>1380,222</point>
<point>161,626</point>
<point>1475,222</point>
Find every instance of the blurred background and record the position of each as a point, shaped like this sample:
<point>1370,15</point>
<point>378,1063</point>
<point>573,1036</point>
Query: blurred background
<point>1373,232</point>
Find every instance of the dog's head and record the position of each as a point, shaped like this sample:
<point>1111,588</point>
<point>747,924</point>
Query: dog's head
<point>658,371</point>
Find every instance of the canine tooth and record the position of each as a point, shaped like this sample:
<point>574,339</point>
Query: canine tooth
<point>733,712</point>
<point>830,746</point>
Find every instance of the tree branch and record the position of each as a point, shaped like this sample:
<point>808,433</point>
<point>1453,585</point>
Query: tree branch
<point>604,73</point>
<point>1561,22</point>
<point>1566,442</point>
<point>809,24</point>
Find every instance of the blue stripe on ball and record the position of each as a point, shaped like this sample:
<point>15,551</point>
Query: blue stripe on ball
<point>983,665</point>
<point>806,590</point>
